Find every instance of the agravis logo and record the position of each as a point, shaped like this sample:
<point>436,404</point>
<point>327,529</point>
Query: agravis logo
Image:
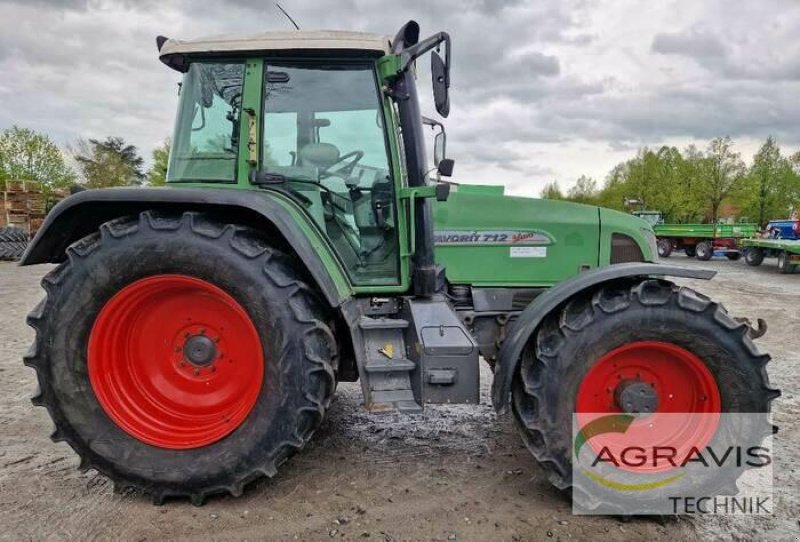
<point>653,457</point>
<point>612,423</point>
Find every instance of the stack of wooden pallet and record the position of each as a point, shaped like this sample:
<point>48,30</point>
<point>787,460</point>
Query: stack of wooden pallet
<point>22,205</point>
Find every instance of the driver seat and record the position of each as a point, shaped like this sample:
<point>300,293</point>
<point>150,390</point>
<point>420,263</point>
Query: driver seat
<point>318,155</point>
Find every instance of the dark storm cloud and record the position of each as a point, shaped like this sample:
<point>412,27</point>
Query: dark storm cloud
<point>527,75</point>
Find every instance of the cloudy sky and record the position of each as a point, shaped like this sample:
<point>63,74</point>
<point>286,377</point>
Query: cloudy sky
<point>541,89</point>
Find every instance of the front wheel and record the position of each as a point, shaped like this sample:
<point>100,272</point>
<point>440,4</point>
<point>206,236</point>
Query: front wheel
<point>181,356</point>
<point>647,347</point>
<point>704,251</point>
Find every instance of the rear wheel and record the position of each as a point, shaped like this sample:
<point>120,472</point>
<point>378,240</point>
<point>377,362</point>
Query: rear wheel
<point>664,248</point>
<point>181,356</point>
<point>754,256</point>
<point>704,251</point>
<point>689,251</point>
<point>690,356</point>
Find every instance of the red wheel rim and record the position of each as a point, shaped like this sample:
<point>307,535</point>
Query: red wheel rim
<point>175,361</point>
<point>683,385</point>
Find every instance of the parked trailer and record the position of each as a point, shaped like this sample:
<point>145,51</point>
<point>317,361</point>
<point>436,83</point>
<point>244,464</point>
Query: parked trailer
<point>786,250</point>
<point>702,240</point>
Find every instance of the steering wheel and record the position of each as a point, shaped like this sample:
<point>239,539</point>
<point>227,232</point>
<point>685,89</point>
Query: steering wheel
<point>353,156</point>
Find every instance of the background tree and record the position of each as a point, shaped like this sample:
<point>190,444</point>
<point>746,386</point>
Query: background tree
<point>27,155</point>
<point>698,186</point>
<point>157,174</point>
<point>723,170</point>
<point>107,163</point>
<point>793,183</point>
<point>765,190</point>
<point>551,191</point>
<point>615,189</point>
<point>583,191</point>
<point>690,205</point>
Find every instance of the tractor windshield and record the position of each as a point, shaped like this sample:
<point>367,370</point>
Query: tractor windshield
<point>206,138</point>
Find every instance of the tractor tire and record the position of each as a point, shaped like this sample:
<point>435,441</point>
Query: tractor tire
<point>754,256</point>
<point>733,256</point>
<point>13,242</point>
<point>689,251</point>
<point>664,248</point>
<point>592,328</point>
<point>704,251</point>
<point>784,265</point>
<point>149,314</point>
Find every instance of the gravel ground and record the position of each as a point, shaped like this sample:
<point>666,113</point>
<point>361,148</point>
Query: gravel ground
<point>453,473</point>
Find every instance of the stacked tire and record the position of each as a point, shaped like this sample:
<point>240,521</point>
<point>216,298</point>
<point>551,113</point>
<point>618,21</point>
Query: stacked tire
<point>13,242</point>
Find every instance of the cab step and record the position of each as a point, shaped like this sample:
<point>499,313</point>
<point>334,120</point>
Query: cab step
<point>386,371</point>
<point>382,323</point>
<point>385,365</point>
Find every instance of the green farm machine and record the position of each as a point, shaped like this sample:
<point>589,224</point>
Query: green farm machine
<point>192,336</point>
<point>702,241</point>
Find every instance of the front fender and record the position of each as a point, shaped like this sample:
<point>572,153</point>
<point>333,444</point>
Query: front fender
<point>83,213</point>
<point>524,327</point>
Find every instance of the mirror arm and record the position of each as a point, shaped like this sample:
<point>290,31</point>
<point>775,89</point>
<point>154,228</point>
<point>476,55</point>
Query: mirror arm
<point>433,123</point>
<point>410,54</point>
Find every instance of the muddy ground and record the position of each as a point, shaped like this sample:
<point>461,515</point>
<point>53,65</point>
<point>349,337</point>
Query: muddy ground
<point>453,473</point>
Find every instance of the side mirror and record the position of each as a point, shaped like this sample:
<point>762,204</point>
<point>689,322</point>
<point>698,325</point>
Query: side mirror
<point>442,191</point>
<point>441,83</point>
<point>439,147</point>
<point>445,167</point>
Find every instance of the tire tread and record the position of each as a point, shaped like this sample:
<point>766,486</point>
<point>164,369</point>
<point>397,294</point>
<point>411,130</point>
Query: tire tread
<point>279,268</point>
<point>537,423</point>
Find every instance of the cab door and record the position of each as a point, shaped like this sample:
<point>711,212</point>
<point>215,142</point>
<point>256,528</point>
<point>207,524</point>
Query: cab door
<point>323,130</point>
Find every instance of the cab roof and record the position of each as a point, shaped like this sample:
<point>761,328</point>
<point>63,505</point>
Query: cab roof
<point>305,40</point>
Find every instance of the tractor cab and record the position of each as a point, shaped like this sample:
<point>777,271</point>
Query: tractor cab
<point>309,115</point>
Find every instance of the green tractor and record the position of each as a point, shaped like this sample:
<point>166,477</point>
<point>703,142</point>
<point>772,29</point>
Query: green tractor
<point>192,337</point>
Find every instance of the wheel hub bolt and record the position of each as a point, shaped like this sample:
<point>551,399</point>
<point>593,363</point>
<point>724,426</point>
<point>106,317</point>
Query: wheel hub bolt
<point>199,350</point>
<point>636,397</point>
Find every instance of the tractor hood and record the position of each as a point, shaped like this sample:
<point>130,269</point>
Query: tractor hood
<point>484,238</point>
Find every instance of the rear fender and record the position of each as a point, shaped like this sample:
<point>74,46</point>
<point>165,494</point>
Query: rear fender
<point>83,213</point>
<point>524,327</point>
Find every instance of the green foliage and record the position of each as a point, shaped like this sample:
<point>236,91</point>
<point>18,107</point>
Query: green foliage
<point>26,155</point>
<point>695,185</point>
<point>552,191</point>
<point>771,186</point>
<point>723,170</point>
<point>583,191</point>
<point>108,163</point>
<point>157,175</point>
